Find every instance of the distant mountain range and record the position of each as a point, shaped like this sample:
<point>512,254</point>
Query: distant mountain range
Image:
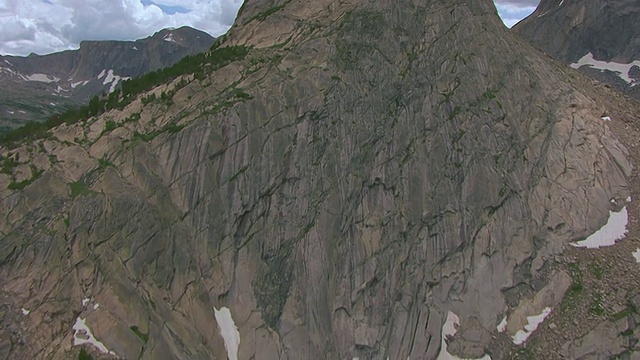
<point>599,37</point>
<point>332,180</point>
<point>35,87</point>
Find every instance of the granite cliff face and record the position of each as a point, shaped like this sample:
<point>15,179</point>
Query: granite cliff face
<point>36,87</point>
<point>368,175</point>
<point>601,37</point>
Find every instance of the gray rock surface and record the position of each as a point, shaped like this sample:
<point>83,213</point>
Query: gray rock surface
<point>366,169</point>
<point>569,30</point>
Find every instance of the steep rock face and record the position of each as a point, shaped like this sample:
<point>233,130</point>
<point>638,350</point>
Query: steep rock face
<point>596,32</point>
<point>366,171</point>
<point>38,86</point>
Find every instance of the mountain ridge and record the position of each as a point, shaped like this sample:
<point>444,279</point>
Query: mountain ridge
<point>363,179</point>
<point>602,38</point>
<point>42,85</point>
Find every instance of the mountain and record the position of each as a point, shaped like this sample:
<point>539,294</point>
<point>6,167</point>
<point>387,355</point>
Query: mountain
<point>336,180</point>
<point>601,38</point>
<point>39,86</point>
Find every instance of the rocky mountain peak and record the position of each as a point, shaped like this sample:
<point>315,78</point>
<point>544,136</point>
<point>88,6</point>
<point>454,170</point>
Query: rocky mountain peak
<point>268,22</point>
<point>341,180</point>
<point>601,37</point>
<point>607,29</point>
<point>38,86</point>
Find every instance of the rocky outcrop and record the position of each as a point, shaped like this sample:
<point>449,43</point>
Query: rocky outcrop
<point>602,38</point>
<point>367,175</point>
<point>38,86</point>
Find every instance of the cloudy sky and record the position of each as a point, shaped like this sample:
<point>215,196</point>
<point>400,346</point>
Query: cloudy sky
<point>513,11</point>
<point>45,26</point>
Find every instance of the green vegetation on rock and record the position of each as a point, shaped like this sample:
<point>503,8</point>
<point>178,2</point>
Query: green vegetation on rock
<point>130,89</point>
<point>144,337</point>
<point>78,188</point>
<point>84,355</point>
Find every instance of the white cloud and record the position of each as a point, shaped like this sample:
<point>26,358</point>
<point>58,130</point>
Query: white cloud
<point>45,26</point>
<point>512,11</point>
<point>518,3</point>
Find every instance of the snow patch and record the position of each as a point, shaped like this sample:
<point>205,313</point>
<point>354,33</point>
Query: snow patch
<point>11,112</point>
<point>113,79</point>
<point>449,329</point>
<point>82,335</point>
<point>229,332</point>
<point>96,306</point>
<point>169,38</point>
<point>81,83</point>
<point>134,48</point>
<point>606,118</point>
<point>622,70</point>
<point>615,229</point>
<point>532,324</point>
<point>25,312</point>
<point>503,325</point>
<point>102,74</point>
<point>629,199</point>
<point>110,77</point>
<point>85,301</point>
<point>42,78</point>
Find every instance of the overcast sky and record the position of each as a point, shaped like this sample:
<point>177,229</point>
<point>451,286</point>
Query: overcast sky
<point>45,26</point>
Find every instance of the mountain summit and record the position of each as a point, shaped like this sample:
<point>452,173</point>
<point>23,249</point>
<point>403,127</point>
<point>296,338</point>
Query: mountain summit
<point>337,180</point>
<point>600,37</point>
<point>36,87</point>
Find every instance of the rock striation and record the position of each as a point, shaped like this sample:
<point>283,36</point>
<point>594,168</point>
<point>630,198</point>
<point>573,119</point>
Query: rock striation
<point>370,175</point>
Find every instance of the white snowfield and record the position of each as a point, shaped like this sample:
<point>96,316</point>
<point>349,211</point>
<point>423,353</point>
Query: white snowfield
<point>615,229</point>
<point>449,329</point>
<point>81,83</point>
<point>502,327</point>
<point>622,70</point>
<point>113,79</point>
<point>228,331</point>
<point>41,78</point>
<point>532,324</point>
<point>82,335</point>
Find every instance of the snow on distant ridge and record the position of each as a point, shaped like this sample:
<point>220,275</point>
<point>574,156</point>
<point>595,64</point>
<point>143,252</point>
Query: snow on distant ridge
<point>82,83</point>
<point>622,70</point>
<point>42,78</point>
<point>113,79</point>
